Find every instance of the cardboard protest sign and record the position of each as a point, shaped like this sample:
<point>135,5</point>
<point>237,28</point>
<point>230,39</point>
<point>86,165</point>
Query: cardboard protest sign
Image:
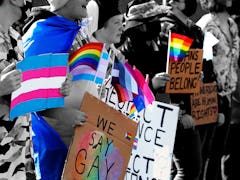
<point>204,105</point>
<point>153,145</point>
<point>100,149</point>
<point>185,73</point>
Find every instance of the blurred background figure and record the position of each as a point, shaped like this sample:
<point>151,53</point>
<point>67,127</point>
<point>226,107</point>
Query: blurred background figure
<point>16,158</point>
<point>225,66</point>
<point>146,47</point>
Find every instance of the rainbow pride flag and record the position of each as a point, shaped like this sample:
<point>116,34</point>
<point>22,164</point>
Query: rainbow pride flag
<point>179,46</point>
<point>132,112</point>
<point>89,62</point>
<point>42,77</point>
<point>128,136</point>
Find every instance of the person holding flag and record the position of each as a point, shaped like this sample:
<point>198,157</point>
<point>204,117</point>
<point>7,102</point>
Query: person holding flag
<point>128,82</point>
<point>221,163</point>
<point>55,29</point>
<point>109,31</point>
<point>146,45</point>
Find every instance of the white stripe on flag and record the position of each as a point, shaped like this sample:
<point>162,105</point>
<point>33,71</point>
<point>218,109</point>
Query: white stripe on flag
<point>115,73</point>
<point>40,83</point>
<point>133,84</point>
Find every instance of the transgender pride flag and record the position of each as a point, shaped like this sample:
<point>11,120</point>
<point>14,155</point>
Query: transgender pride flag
<point>89,63</point>
<point>42,77</point>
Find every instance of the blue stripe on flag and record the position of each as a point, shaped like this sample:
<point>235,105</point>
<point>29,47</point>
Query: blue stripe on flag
<point>99,80</point>
<point>104,55</point>
<point>47,60</point>
<point>36,105</point>
<point>139,103</point>
<point>88,77</point>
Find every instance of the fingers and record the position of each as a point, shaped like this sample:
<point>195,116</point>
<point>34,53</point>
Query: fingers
<point>187,121</point>
<point>80,119</point>
<point>163,76</point>
<point>65,90</point>
<point>66,86</point>
<point>160,80</point>
<point>9,68</point>
<point>10,82</point>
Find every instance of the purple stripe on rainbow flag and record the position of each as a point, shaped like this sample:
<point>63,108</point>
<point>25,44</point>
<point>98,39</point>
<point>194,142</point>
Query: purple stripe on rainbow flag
<point>84,69</point>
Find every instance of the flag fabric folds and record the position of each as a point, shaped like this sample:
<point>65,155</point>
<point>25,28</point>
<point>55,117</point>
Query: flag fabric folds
<point>42,77</point>
<point>89,62</point>
<point>140,97</point>
<point>50,152</point>
<point>52,35</point>
<point>145,95</point>
<point>123,82</point>
<point>179,46</point>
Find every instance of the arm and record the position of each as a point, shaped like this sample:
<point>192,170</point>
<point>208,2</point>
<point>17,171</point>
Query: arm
<point>10,80</point>
<point>160,80</point>
<point>66,116</point>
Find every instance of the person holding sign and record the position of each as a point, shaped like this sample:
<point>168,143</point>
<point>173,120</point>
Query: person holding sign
<point>146,45</point>
<point>56,29</point>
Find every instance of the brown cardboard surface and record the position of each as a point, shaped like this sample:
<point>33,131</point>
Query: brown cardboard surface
<point>101,148</point>
<point>204,105</point>
<point>185,73</point>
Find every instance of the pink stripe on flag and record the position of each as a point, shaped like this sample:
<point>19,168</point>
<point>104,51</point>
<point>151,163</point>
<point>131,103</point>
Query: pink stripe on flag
<point>44,72</point>
<point>41,93</point>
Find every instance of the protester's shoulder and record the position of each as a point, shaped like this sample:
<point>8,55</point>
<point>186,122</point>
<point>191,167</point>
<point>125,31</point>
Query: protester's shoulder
<point>37,13</point>
<point>233,23</point>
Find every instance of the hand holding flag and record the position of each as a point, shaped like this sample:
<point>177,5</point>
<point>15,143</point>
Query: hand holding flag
<point>42,77</point>
<point>10,80</point>
<point>89,62</point>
